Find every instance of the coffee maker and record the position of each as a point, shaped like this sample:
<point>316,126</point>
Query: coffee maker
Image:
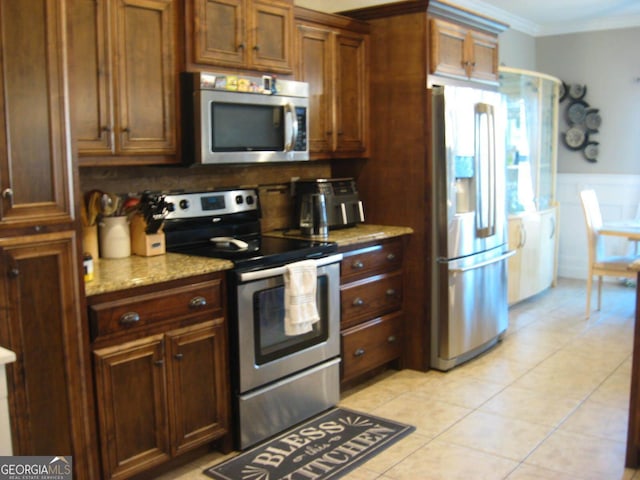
<point>343,206</point>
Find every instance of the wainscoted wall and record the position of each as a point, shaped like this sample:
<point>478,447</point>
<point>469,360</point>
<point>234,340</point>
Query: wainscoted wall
<point>619,198</point>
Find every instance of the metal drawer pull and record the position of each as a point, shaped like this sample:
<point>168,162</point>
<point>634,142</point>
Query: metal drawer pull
<point>391,339</point>
<point>391,292</point>
<point>158,363</point>
<point>178,356</point>
<point>359,352</point>
<point>391,257</point>
<point>357,265</point>
<point>358,302</point>
<point>129,318</point>
<point>197,302</point>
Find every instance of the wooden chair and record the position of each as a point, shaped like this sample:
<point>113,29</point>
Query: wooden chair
<point>599,264</point>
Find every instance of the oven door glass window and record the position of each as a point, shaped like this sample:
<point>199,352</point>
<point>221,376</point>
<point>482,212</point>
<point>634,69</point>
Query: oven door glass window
<point>268,312</point>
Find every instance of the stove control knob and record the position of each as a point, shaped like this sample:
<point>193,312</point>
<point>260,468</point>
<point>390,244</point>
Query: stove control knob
<point>239,199</point>
<point>249,200</point>
<point>184,204</point>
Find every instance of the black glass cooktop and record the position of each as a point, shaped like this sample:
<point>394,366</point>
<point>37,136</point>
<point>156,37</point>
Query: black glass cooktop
<point>260,251</point>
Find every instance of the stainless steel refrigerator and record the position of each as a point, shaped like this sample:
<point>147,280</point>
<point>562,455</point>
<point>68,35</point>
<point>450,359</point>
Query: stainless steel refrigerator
<point>470,251</point>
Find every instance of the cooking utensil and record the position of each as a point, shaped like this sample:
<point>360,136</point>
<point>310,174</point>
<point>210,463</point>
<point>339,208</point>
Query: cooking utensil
<point>92,200</point>
<point>108,204</point>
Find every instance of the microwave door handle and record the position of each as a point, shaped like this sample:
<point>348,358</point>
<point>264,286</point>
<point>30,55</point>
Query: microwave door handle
<point>290,111</point>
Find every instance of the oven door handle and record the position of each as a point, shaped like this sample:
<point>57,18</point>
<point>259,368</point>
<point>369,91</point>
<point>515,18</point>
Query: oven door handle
<point>278,271</point>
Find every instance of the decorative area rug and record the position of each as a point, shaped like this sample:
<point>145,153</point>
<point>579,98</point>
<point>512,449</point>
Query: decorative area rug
<point>327,446</point>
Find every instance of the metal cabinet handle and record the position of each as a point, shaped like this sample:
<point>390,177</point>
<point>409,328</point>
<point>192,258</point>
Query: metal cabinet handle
<point>241,46</point>
<point>158,363</point>
<point>357,265</point>
<point>129,318</point>
<point>178,356</point>
<point>390,292</point>
<point>197,302</point>
<point>391,257</point>
<point>391,339</point>
<point>7,193</point>
<point>257,48</point>
<point>358,302</point>
<point>359,352</point>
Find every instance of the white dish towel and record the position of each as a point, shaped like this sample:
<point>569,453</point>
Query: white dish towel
<point>301,311</point>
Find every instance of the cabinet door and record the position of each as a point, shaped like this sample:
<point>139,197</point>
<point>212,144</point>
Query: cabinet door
<point>482,59</point>
<point>145,33</point>
<point>34,152</point>
<point>351,93</point>
<point>272,36</point>
<point>90,75</point>
<point>447,49</point>
<point>219,32</point>
<point>132,410</point>
<point>40,320</point>
<point>315,66</point>
<point>530,266</point>
<point>516,242</point>
<point>548,248</point>
<point>198,379</point>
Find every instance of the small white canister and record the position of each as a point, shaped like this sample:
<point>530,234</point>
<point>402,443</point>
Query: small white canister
<point>115,238</point>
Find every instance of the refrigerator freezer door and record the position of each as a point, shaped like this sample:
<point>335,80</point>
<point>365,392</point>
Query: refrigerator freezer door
<point>472,307</point>
<point>468,171</point>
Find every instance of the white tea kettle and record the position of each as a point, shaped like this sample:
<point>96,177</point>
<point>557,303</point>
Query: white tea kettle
<point>313,215</point>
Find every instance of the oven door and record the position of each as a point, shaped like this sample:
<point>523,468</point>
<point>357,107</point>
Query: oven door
<point>264,353</point>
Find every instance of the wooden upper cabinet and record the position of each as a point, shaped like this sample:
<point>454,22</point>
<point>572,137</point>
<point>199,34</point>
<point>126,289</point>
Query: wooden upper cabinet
<point>459,51</point>
<point>333,60</point>
<point>123,72</point>
<point>351,93</point>
<point>463,44</point>
<point>315,66</point>
<point>34,152</point>
<point>248,34</point>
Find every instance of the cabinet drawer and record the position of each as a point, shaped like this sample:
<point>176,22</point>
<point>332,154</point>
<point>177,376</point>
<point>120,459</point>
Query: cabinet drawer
<point>141,310</point>
<point>371,344</point>
<point>364,262</point>
<point>370,298</point>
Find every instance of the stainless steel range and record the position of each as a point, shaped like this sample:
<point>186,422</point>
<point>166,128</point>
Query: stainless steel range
<point>277,380</point>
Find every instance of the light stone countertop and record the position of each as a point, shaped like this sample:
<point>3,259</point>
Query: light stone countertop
<point>110,275</point>
<point>360,233</point>
<point>120,274</point>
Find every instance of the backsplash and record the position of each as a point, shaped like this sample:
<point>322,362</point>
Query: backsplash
<point>273,181</point>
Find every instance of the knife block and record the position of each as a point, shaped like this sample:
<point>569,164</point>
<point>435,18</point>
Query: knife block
<point>143,244</point>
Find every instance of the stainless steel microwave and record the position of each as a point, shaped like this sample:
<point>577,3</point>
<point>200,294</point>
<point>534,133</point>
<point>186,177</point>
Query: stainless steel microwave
<point>242,119</point>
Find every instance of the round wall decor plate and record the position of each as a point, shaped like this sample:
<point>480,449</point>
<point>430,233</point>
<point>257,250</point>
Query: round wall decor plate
<point>577,91</point>
<point>577,112</point>
<point>575,138</point>
<point>591,151</point>
<point>592,119</point>
<point>563,91</point>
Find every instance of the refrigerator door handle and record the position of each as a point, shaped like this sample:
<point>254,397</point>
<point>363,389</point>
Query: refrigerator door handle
<point>485,155</point>
<point>502,257</point>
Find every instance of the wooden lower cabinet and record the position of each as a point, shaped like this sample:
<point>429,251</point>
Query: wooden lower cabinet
<point>533,267</point>
<point>372,319</point>
<point>162,388</point>
<point>41,321</point>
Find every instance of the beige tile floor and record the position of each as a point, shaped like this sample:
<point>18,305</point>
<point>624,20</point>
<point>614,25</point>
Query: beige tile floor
<point>549,402</point>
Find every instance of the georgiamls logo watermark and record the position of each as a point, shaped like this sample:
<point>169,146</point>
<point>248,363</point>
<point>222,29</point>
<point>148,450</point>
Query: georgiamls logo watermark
<point>36,468</point>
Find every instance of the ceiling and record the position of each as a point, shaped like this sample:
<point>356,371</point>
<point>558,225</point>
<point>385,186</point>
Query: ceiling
<point>534,17</point>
